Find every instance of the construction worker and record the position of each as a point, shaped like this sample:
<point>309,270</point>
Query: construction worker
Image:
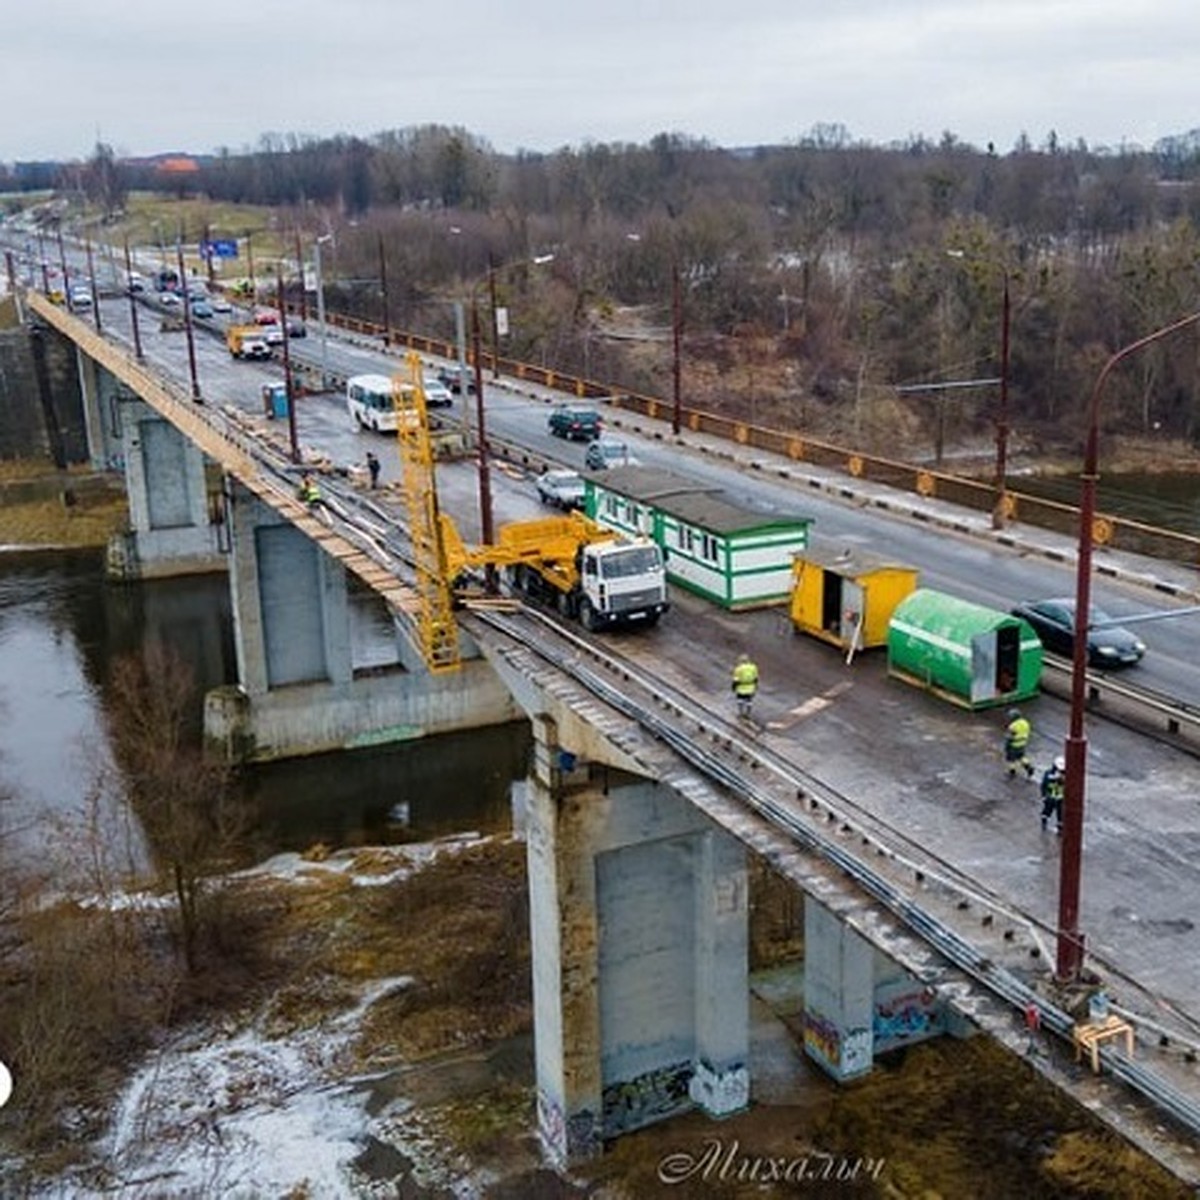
<point>1016,744</point>
<point>745,684</point>
<point>1054,786</point>
<point>308,491</point>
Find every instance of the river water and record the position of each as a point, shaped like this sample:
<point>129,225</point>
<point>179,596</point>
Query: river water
<point>1169,500</point>
<point>62,626</point>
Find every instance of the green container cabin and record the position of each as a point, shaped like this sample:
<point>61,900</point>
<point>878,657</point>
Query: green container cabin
<point>733,556</point>
<point>970,655</point>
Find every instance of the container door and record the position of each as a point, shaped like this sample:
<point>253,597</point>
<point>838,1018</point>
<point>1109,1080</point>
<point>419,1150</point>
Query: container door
<point>831,601</point>
<point>854,613</point>
<point>1008,658</point>
<point>983,667</point>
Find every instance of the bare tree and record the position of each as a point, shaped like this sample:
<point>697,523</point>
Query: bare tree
<point>181,795</point>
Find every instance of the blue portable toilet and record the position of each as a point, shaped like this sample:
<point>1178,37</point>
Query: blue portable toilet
<point>274,396</point>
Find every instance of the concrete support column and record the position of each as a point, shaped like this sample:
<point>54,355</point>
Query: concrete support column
<point>564,936</point>
<point>721,1084</point>
<point>171,528</point>
<point>298,691</point>
<point>93,410</point>
<point>839,994</point>
<point>639,930</point>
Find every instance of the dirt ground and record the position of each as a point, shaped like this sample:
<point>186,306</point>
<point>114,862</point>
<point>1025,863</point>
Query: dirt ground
<point>40,506</point>
<point>944,1119</point>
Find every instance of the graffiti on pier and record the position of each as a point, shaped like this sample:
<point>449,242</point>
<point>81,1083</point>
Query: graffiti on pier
<point>905,1012</point>
<point>632,1103</point>
<point>564,1138</point>
<point>844,1053</point>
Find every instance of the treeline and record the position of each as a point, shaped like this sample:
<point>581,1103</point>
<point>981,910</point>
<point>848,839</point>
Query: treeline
<point>828,270</point>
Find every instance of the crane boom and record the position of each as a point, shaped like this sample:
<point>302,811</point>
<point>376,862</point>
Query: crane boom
<point>437,629</point>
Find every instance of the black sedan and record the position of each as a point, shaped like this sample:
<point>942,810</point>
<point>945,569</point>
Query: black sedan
<point>1108,644</point>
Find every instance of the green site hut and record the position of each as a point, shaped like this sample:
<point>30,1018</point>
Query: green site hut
<point>973,656</point>
<point>727,553</point>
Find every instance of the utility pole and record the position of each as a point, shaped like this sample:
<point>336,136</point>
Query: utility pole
<point>133,307</point>
<point>676,331</point>
<point>387,312</point>
<point>92,285</point>
<point>187,320</point>
<point>300,272</point>
<point>288,390</point>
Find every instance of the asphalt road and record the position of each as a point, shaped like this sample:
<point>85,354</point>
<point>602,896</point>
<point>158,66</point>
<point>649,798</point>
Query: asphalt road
<point>916,761</point>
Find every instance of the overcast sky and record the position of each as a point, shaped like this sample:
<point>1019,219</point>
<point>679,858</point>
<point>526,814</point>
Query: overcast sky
<point>147,76</point>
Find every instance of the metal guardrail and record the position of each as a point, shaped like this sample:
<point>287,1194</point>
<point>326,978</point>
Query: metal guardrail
<point>956,949</point>
<point>1118,533</point>
<point>1141,708</point>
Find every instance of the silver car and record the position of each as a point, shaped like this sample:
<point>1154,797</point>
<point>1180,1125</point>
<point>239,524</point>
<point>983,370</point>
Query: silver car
<point>561,488</point>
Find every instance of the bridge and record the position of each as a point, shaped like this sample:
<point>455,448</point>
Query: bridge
<point>644,802</point>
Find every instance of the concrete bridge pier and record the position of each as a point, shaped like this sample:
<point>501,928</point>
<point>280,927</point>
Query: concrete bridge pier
<point>638,909</point>
<point>299,691</point>
<point>171,508</point>
<point>859,1003</point>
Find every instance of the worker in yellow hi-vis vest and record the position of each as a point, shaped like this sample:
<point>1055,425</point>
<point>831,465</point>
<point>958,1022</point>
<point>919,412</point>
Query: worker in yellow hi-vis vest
<point>745,684</point>
<point>1016,744</point>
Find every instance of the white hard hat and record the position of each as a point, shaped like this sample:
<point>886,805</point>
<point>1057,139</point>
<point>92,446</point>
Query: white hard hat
<point>1060,763</point>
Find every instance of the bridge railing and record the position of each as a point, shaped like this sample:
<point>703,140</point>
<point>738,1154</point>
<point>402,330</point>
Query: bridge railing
<point>1119,533</point>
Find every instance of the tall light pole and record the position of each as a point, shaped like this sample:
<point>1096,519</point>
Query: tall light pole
<point>1000,511</point>
<point>485,485</point>
<point>133,307</point>
<point>676,362</point>
<point>383,285</point>
<point>325,237</point>
<point>1000,482</point>
<point>1070,953</point>
<point>187,320</point>
<point>91,264</point>
<point>289,391</point>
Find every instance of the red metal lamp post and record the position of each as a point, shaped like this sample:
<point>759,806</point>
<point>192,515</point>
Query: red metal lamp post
<point>1070,949</point>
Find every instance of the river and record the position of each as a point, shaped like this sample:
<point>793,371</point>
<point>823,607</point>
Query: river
<point>62,627</point>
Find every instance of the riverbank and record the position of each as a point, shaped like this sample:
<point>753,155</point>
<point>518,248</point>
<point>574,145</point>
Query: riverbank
<point>378,1042</point>
<point>42,506</point>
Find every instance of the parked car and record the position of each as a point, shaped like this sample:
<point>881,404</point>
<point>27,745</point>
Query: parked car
<point>221,304</point>
<point>608,452</point>
<point>81,297</point>
<point>561,488</point>
<point>437,394</point>
<point>1108,644</point>
<point>169,299</point>
<point>575,424</point>
<point>452,378</point>
<point>201,308</point>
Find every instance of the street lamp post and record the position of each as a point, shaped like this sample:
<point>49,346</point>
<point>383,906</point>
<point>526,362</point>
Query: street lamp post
<point>325,237</point>
<point>91,265</point>
<point>133,307</point>
<point>289,391</point>
<point>187,320</point>
<point>383,286</point>
<point>1000,512</point>
<point>1070,948</point>
<point>676,331</point>
<point>1000,507</point>
<point>486,524</point>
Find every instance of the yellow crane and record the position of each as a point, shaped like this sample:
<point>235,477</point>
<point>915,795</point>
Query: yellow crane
<point>437,629</point>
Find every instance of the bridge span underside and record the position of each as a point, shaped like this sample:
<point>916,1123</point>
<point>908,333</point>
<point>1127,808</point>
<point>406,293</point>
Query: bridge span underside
<point>639,913</point>
<point>299,691</point>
